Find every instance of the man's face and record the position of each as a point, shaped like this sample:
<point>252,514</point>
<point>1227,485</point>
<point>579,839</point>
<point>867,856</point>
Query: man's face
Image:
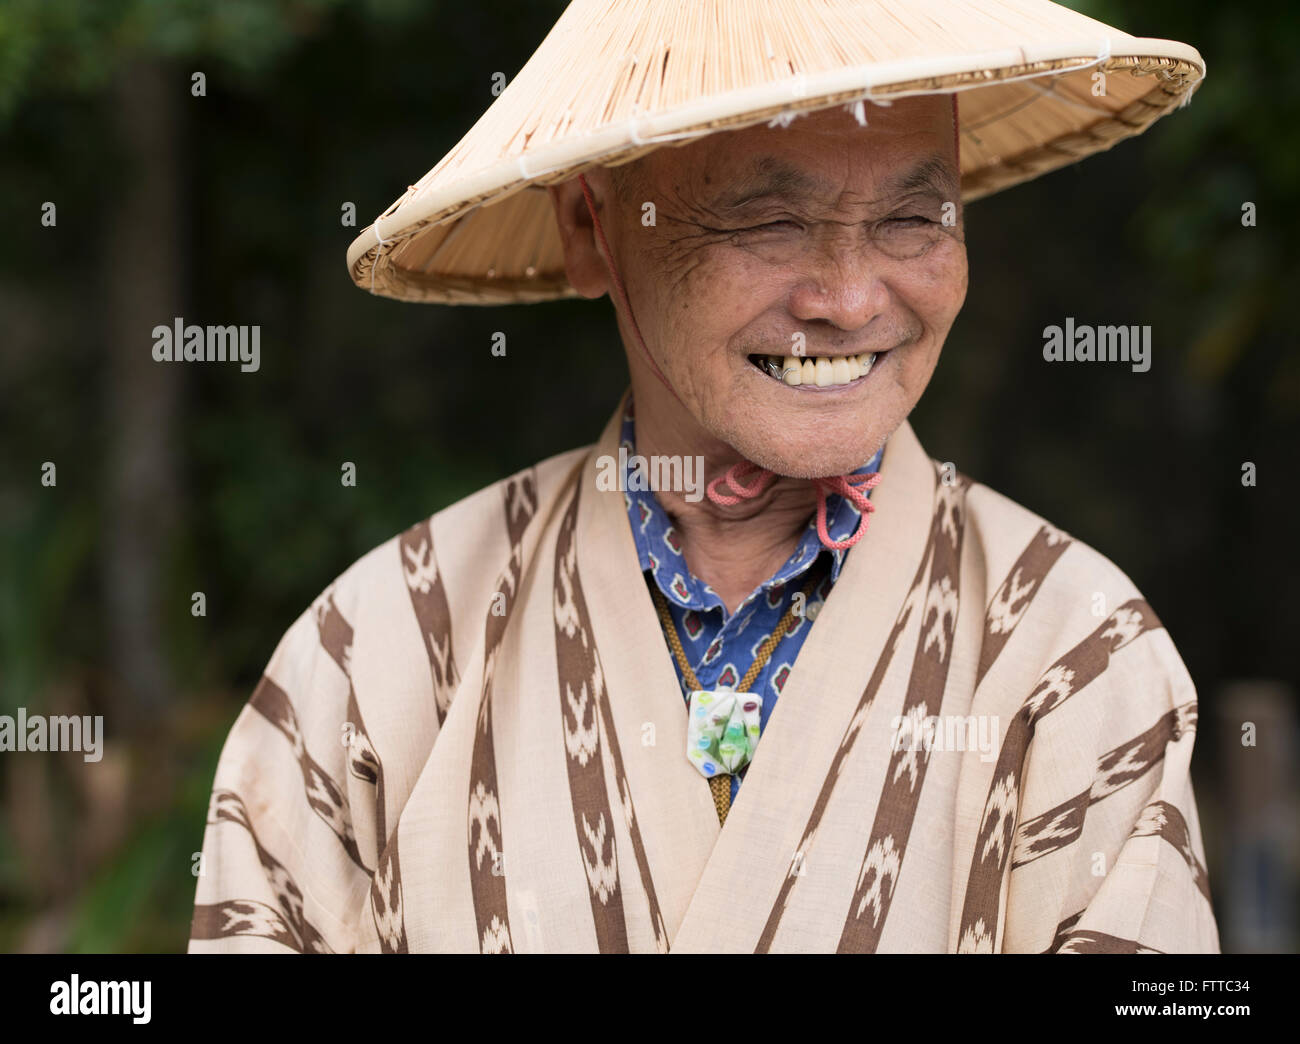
<point>821,242</point>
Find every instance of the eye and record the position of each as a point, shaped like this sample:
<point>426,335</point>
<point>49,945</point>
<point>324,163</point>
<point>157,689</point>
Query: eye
<point>772,226</point>
<point>909,221</point>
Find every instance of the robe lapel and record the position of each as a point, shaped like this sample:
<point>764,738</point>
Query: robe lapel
<point>671,825</point>
<point>763,849</point>
<point>725,888</point>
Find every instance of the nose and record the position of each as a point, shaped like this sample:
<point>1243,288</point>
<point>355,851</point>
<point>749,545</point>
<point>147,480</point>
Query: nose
<point>840,283</point>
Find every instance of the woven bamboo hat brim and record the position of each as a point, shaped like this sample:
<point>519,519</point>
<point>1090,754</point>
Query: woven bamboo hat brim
<point>615,79</point>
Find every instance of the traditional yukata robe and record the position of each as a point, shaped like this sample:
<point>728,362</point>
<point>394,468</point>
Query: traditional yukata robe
<point>473,741</point>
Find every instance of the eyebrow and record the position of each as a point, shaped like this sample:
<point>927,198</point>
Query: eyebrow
<point>770,177</point>
<point>934,174</point>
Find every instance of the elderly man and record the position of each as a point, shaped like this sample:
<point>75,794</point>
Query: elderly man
<point>812,691</point>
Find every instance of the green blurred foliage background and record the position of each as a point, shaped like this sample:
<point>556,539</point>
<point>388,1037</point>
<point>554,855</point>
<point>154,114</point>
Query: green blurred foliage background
<point>226,209</point>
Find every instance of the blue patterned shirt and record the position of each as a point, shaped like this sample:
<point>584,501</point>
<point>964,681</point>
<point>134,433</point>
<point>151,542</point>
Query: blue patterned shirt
<point>722,648</point>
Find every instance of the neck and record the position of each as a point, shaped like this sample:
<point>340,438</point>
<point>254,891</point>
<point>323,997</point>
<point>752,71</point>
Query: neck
<point>731,548</point>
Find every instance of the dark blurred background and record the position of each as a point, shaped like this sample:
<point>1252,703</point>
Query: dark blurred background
<point>226,209</point>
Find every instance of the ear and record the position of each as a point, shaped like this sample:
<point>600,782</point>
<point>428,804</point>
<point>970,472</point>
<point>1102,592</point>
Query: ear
<point>584,265</point>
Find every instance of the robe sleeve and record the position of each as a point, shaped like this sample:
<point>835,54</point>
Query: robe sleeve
<point>282,869</point>
<point>1137,857</point>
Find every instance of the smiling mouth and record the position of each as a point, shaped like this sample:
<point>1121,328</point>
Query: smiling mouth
<point>815,371</point>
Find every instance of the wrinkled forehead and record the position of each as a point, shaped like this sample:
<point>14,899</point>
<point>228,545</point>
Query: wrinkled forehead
<point>904,147</point>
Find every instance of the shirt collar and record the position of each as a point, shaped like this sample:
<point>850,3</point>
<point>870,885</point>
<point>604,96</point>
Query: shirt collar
<point>659,548</point>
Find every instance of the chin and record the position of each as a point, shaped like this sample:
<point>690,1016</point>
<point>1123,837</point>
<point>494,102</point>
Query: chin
<point>809,458</point>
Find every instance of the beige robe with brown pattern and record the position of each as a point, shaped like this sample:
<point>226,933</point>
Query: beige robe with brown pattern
<point>474,740</point>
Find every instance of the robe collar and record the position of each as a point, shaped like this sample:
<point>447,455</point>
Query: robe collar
<point>698,866</point>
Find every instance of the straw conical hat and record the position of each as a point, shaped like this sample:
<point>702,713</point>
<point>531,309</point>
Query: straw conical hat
<point>615,79</point>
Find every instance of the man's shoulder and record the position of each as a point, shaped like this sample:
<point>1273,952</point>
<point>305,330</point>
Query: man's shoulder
<point>471,535</point>
<point>1076,602</point>
<point>380,613</point>
<point>1010,533</point>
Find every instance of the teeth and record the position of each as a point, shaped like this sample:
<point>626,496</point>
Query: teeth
<point>823,372</point>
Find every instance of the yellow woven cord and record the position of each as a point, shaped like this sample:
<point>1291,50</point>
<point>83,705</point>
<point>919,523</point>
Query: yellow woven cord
<point>720,784</point>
